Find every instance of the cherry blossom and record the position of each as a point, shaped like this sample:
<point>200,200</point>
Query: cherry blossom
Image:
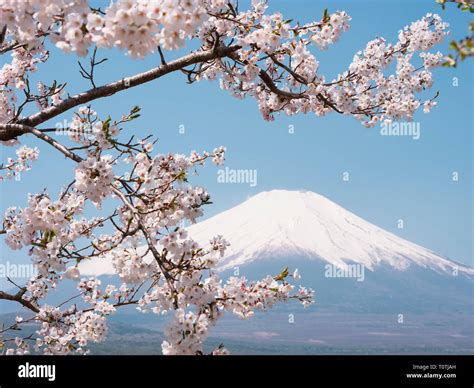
<point>94,177</point>
<point>25,155</point>
<point>251,53</point>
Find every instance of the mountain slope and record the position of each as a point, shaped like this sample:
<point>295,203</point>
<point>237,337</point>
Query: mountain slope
<point>282,224</point>
<point>295,225</point>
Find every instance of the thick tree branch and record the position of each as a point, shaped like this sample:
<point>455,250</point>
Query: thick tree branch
<point>273,88</point>
<point>11,131</point>
<point>267,80</point>
<point>18,297</point>
<point>115,87</point>
<point>21,129</point>
<point>126,83</point>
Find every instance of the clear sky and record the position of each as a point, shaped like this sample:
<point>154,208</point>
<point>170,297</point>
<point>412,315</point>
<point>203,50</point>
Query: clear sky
<point>391,178</point>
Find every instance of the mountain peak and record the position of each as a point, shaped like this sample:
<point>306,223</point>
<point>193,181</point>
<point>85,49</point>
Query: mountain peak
<point>287,205</point>
<point>285,195</point>
<point>286,223</point>
<point>302,224</point>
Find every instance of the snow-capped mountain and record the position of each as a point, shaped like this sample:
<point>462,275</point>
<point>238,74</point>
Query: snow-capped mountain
<point>289,224</point>
<point>304,230</point>
<point>302,225</point>
<point>300,229</point>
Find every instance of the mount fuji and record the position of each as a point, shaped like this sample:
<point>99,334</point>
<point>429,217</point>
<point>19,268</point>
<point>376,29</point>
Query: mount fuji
<point>402,297</point>
<point>282,224</point>
<point>301,229</point>
<point>329,245</point>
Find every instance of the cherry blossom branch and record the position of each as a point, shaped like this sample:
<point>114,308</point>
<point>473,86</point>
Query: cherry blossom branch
<point>18,297</point>
<point>21,129</point>
<point>123,84</point>
<point>15,130</point>
<point>251,53</point>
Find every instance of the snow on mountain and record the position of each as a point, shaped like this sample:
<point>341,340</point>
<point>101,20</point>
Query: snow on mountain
<point>282,223</point>
<point>303,224</point>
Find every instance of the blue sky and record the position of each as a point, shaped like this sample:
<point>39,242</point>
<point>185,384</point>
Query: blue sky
<point>391,178</point>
